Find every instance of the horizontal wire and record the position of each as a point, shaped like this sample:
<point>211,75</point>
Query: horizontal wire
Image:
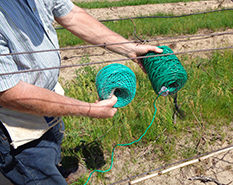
<point>119,43</point>
<point>173,16</point>
<point>172,164</point>
<point>116,60</point>
<point>192,36</point>
<point>170,41</point>
<point>70,48</point>
<point>186,38</point>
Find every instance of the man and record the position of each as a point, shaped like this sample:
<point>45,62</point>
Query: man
<point>31,107</point>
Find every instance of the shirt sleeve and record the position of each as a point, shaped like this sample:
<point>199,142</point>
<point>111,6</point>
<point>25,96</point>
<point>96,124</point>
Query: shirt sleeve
<point>62,8</point>
<point>7,65</point>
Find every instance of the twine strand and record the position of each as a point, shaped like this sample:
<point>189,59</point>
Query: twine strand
<point>126,144</point>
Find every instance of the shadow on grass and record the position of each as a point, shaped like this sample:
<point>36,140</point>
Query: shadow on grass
<point>91,153</point>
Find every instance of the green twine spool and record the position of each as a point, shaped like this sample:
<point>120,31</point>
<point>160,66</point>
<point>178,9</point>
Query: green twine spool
<point>119,80</point>
<point>165,72</point>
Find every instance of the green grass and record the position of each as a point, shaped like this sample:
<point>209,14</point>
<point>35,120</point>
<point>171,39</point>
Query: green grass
<point>206,99</point>
<point>107,4</point>
<point>152,27</point>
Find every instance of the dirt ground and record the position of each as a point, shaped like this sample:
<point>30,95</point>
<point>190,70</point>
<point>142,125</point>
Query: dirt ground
<point>219,166</point>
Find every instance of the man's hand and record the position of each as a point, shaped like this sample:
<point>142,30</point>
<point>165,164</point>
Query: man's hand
<point>140,50</point>
<point>103,108</point>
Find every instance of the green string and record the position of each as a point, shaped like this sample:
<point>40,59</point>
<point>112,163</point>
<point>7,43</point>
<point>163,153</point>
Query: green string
<point>165,71</point>
<point>126,144</point>
<point>119,80</point>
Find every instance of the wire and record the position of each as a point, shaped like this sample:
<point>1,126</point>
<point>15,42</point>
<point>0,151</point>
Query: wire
<point>172,164</point>
<point>174,16</point>
<point>116,60</point>
<point>119,43</point>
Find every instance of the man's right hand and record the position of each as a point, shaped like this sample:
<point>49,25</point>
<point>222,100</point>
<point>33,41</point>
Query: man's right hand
<point>103,108</point>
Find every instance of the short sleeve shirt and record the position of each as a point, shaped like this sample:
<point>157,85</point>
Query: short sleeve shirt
<point>26,26</point>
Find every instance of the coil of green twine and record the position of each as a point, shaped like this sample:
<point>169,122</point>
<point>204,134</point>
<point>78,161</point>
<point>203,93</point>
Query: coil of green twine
<point>119,80</point>
<point>165,72</point>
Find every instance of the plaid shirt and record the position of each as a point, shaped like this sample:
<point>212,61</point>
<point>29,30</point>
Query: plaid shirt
<point>26,25</point>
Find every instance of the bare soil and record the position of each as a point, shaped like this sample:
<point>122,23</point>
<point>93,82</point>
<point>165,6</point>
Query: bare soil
<point>175,8</point>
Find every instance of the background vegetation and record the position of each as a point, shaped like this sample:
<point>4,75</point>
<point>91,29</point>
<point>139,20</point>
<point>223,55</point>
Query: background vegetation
<point>206,101</point>
<point>152,27</point>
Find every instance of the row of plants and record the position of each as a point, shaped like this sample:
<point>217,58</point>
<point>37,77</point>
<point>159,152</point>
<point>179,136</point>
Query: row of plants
<point>151,27</point>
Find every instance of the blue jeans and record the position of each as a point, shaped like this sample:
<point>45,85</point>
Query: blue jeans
<point>35,163</point>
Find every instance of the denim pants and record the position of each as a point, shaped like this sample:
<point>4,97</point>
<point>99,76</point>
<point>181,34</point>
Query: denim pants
<point>35,163</point>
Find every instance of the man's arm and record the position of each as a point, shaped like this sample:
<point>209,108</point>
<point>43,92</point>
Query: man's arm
<point>81,24</point>
<point>31,99</point>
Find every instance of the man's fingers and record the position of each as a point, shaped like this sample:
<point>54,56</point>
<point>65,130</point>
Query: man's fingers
<point>114,99</point>
<point>158,50</point>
